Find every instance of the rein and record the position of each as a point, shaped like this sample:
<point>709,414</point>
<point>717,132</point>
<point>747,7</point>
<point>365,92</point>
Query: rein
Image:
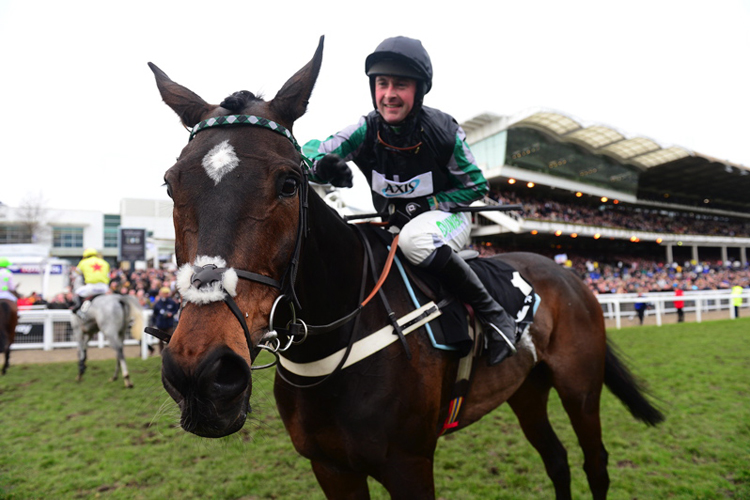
<point>210,275</point>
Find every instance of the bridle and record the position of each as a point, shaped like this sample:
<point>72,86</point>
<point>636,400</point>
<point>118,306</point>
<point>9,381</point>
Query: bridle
<point>208,275</point>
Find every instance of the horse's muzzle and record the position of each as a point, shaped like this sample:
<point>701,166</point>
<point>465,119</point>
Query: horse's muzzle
<point>214,396</point>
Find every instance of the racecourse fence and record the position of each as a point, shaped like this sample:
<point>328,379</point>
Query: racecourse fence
<point>48,329</point>
<point>621,306</point>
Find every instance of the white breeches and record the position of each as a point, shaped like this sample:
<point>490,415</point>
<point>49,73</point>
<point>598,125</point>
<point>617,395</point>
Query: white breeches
<point>92,289</point>
<point>428,231</point>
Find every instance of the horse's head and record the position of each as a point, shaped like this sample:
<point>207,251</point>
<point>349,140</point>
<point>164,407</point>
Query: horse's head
<point>237,209</point>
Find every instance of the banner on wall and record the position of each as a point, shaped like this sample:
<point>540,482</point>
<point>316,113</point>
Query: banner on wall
<point>132,244</point>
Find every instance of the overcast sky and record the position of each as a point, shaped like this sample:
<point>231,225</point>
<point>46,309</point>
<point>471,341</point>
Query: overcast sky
<point>84,125</point>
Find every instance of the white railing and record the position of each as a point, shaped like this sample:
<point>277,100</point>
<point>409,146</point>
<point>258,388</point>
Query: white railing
<point>50,329</point>
<point>622,305</point>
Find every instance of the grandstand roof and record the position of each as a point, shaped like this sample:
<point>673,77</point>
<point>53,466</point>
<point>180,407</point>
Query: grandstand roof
<point>674,173</point>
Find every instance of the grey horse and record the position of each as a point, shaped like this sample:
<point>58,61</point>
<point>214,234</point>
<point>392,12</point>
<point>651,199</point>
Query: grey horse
<point>113,315</point>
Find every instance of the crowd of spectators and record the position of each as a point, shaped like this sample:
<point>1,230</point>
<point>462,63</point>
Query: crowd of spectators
<point>642,275</point>
<point>625,216</point>
<point>626,274</point>
<point>143,284</point>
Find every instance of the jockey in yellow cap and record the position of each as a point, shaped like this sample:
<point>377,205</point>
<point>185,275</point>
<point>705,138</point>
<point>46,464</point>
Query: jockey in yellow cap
<point>95,272</point>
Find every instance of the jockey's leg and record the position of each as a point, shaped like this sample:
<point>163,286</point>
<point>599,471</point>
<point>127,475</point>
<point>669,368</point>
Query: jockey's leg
<point>431,241</point>
<point>77,302</point>
<point>461,280</point>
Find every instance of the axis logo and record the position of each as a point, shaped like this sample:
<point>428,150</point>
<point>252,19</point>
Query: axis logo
<point>395,189</point>
<point>415,187</point>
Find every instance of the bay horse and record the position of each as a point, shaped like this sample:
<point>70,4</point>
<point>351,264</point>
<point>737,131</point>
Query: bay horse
<point>114,315</point>
<point>8,323</point>
<point>253,240</point>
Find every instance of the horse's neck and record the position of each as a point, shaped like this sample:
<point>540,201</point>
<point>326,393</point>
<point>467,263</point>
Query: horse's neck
<point>331,262</point>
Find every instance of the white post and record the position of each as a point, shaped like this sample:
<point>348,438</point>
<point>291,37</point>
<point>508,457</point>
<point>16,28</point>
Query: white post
<point>144,345</point>
<point>698,305</point>
<point>658,311</point>
<point>618,319</point>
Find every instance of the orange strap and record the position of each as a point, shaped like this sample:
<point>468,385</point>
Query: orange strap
<point>386,270</point>
<point>416,146</point>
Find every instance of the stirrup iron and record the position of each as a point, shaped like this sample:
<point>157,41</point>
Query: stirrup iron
<point>507,341</point>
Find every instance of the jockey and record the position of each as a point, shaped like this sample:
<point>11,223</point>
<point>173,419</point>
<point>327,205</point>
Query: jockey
<point>7,286</point>
<point>419,168</point>
<point>95,271</point>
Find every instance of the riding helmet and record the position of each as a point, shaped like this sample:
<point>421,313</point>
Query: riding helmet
<point>90,252</point>
<point>400,56</point>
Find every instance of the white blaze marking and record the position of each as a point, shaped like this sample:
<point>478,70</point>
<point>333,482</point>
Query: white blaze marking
<point>220,161</point>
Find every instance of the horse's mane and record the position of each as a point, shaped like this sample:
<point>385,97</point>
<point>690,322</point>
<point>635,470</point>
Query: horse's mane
<point>237,101</point>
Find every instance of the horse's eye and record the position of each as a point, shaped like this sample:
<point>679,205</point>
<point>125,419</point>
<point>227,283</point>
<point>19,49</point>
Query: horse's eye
<point>290,186</point>
<point>169,188</point>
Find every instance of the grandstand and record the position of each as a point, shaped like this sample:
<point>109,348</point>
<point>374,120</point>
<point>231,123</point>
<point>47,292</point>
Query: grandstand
<point>590,190</point>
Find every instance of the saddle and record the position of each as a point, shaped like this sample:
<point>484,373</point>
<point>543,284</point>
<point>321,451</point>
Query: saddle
<point>451,331</point>
<point>83,306</point>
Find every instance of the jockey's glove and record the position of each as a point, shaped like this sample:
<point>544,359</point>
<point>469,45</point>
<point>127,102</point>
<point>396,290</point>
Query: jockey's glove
<point>334,170</point>
<point>407,212</point>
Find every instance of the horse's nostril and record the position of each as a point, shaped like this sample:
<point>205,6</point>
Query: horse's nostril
<point>214,395</point>
<point>232,371</point>
<point>225,375</point>
<point>222,375</point>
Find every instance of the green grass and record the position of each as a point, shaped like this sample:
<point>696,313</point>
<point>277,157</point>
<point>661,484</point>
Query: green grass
<point>96,439</point>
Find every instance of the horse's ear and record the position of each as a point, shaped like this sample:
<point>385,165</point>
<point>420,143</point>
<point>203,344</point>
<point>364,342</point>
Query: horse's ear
<point>291,101</point>
<point>187,104</point>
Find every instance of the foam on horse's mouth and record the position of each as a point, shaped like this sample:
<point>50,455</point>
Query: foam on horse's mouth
<point>207,293</point>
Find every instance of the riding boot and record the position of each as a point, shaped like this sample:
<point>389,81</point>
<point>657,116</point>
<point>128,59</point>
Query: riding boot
<point>500,328</point>
<point>77,303</point>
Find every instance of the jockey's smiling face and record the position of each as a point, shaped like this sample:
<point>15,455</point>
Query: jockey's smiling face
<point>394,96</point>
